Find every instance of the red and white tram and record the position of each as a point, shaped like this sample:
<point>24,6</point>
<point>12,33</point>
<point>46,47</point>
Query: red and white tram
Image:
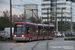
<point>24,31</point>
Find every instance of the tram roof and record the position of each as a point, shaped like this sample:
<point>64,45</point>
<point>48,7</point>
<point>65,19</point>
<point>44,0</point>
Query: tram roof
<point>24,22</point>
<point>30,23</point>
<point>40,24</point>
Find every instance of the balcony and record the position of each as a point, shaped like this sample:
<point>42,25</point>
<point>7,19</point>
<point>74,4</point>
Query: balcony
<point>61,6</point>
<point>45,6</point>
<point>61,1</point>
<point>46,2</point>
<point>61,10</point>
<point>45,15</point>
<point>45,11</point>
<point>59,15</point>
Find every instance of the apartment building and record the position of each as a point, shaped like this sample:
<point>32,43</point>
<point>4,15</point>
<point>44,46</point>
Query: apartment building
<point>57,8</point>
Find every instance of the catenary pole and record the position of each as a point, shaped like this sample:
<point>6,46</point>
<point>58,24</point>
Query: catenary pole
<point>10,19</point>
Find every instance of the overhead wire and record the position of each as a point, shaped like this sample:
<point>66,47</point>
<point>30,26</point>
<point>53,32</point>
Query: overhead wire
<point>4,2</point>
<point>24,4</point>
<point>29,2</point>
<point>26,1</point>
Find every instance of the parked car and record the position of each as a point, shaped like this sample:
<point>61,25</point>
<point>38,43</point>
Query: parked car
<point>73,33</point>
<point>58,34</point>
<point>1,36</point>
<point>63,34</point>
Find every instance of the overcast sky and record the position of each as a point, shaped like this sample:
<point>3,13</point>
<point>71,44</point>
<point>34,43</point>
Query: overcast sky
<point>5,5</point>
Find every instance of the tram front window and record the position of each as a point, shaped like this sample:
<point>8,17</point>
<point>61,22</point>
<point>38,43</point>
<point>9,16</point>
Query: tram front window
<point>19,29</point>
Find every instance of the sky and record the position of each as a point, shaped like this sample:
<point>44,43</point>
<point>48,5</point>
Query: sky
<point>5,5</point>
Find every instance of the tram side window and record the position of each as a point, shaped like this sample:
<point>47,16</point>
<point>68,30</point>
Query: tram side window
<point>51,30</point>
<point>35,31</point>
<point>40,29</point>
<point>46,31</point>
<point>31,29</point>
<point>27,30</point>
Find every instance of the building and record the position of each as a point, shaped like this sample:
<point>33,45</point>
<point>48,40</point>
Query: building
<point>31,10</point>
<point>57,8</point>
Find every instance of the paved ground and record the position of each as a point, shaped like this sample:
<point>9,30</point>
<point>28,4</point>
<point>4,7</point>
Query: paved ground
<point>56,44</point>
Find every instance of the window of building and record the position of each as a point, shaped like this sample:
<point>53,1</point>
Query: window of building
<point>45,4</point>
<point>44,17</point>
<point>44,13</point>
<point>61,3</point>
<point>61,0</point>
<point>53,0</point>
<point>45,8</point>
<point>46,0</point>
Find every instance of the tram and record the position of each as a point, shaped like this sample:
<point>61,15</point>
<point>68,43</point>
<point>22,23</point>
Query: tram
<point>28,31</point>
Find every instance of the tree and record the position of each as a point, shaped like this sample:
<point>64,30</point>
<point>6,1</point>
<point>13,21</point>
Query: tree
<point>32,19</point>
<point>39,20</point>
<point>64,26</point>
<point>4,21</point>
<point>3,24</point>
<point>6,13</point>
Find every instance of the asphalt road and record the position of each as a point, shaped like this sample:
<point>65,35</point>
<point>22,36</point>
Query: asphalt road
<point>56,44</point>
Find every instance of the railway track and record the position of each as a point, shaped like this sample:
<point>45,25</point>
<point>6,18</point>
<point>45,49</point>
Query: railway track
<point>17,46</point>
<point>37,44</point>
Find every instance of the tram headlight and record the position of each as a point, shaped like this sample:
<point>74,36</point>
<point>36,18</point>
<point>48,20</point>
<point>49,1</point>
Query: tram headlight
<point>14,35</point>
<point>22,35</point>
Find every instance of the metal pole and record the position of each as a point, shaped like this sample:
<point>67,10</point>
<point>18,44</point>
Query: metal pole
<point>11,19</point>
<point>51,10</point>
<point>71,19</point>
<point>47,15</point>
<point>32,12</point>
<point>37,17</point>
<point>24,14</point>
<point>66,23</point>
<point>37,13</point>
<point>61,20</point>
<point>56,19</point>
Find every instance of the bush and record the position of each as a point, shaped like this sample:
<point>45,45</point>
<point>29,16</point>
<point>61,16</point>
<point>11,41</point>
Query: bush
<point>5,39</point>
<point>69,39</point>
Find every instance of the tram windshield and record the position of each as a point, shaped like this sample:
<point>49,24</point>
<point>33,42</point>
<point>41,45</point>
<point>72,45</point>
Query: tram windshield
<point>19,29</point>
